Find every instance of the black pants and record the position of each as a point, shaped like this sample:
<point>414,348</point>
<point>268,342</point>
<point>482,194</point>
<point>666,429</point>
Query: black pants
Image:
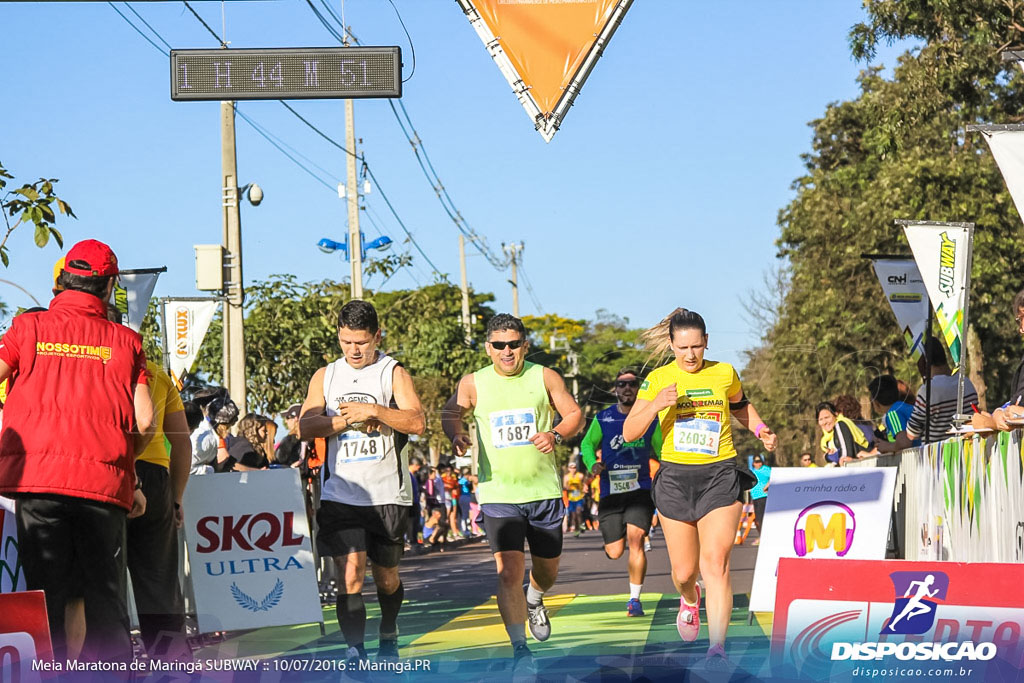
<point>415,524</point>
<point>759,504</point>
<point>153,561</point>
<point>71,547</point>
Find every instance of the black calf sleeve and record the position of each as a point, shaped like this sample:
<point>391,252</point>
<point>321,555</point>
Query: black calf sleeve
<point>389,607</point>
<point>352,618</point>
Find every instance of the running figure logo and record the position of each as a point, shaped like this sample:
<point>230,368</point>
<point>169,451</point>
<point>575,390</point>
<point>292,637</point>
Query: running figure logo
<point>917,597</point>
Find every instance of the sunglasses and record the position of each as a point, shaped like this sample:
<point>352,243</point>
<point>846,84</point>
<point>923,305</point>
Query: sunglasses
<point>500,345</point>
<point>623,383</point>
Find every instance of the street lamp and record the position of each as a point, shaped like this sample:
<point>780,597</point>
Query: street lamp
<point>329,246</point>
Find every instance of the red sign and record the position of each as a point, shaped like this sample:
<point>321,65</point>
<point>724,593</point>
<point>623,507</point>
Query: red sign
<point>896,616</point>
<point>24,635</point>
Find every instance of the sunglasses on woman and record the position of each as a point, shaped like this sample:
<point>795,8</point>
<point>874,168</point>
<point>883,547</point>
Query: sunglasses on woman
<point>514,344</point>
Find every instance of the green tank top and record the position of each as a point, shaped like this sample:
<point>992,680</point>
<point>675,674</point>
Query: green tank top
<point>509,410</point>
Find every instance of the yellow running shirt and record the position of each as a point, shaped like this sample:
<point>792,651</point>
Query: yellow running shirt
<point>697,430</point>
<point>575,486</point>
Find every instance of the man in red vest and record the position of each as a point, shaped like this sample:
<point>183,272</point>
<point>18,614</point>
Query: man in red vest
<point>73,423</point>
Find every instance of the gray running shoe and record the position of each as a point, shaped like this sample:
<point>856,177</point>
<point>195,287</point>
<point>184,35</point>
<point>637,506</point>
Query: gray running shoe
<point>540,625</point>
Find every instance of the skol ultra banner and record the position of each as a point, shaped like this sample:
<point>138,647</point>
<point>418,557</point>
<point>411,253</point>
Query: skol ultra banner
<point>132,293</point>
<point>905,291</point>
<point>187,323</point>
<point>897,620</point>
<point>941,251</point>
<point>545,48</point>
<point>250,551</point>
<point>12,578</point>
<point>821,513</point>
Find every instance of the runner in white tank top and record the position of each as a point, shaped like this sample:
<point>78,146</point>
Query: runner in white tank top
<point>365,406</point>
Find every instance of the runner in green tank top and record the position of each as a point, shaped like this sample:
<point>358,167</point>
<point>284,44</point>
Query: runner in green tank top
<point>520,490</point>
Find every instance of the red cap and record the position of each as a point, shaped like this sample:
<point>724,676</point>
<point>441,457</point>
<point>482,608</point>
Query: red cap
<point>98,259</point>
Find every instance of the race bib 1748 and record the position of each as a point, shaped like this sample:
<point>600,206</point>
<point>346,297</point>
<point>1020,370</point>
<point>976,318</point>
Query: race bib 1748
<point>696,435</point>
<point>358,447</point>
<point>512,428</point>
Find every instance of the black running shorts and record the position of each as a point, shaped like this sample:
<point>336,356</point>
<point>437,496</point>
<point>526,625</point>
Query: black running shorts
<point>614,512</point>
<point>509,526</point>
<point>686,493</point>
<point>377,530</point>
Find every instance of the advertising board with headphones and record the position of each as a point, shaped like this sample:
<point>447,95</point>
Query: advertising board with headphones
<point>821,513</point>
<point>898,620</point>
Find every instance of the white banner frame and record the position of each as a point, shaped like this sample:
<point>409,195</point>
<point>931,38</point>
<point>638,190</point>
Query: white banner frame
<point>794,495</point>
<point>10,565</point>
<point>272,582</point>
<point>166,333</point>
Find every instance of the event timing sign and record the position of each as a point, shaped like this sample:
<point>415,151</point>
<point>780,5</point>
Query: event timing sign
<point>286,73</point>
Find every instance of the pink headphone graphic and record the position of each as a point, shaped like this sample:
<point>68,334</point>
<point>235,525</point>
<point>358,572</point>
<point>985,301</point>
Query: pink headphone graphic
<point>800,535</point>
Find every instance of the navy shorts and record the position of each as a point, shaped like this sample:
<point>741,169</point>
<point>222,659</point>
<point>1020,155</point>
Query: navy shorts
<point>509,526</point>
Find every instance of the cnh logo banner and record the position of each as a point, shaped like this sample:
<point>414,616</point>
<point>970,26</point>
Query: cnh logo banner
<point>811,533</point>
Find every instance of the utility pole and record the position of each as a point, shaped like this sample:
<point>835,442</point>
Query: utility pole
<point>513,250</point>
<point>355,238</point>
<point>234,339</point>
<point>466,322</point>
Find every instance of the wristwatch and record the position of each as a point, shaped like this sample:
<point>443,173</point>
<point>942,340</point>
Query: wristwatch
<point>558,437</point>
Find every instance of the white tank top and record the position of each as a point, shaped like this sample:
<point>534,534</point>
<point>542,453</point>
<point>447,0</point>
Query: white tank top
<point>364,469</point>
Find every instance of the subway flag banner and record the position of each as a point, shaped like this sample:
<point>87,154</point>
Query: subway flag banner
<point>545,50</point>
<point>942,255</point>
<point>821,513</point>
<point>250,551</point>
<point>897,620</point>
<point>905,291</point>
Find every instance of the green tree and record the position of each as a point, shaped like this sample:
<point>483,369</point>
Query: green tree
<point>31,203</point>
<point>899,150</point>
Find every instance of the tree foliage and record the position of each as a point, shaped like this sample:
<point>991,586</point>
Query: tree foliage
<point>899,150</point>
<point>31,203</point>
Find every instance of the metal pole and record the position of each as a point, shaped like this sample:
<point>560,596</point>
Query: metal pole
<point>466,322</point>
<point>162,311</point>
<point>355,241</point>
<point>234,344</point>
<point>966,323</point>
<point>928,375</point>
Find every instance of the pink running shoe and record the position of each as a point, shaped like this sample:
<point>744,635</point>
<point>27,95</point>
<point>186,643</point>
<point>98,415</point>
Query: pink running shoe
<point>688,621</point>
<point>715,660</point>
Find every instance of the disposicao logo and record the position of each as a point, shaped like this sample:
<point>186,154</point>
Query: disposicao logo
<point>917,597</point>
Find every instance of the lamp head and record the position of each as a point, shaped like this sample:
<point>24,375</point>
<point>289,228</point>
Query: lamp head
<point>255,194</point>
<point>327,246</point>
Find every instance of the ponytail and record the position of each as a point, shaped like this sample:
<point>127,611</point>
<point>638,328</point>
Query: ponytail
<point>658,339</point>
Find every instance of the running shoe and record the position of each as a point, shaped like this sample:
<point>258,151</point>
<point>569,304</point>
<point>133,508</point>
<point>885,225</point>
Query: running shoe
<point>540,625</point>
<point>647,544</point>
<point>387,649</point>
<point>715,660</point>
<point>634,608</point>
<point>578,532</point>
<point>688,621</point>
<point>523,663</point>
<point>355,655</point>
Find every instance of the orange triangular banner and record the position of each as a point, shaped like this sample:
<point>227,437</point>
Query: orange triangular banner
<point>549,46</point>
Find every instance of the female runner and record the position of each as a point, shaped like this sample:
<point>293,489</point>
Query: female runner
<point>699,487</point>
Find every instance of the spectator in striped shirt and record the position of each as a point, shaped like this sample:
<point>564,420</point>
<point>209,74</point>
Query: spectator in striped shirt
<point>942,407</point>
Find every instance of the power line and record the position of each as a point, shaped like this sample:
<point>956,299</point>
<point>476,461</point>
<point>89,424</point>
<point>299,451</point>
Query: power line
<point>129,6</point>
<point>412,48</point>
<point>280,147</point>
<point>138,30</point>
<point>529,288</point>
<point>207,26</point>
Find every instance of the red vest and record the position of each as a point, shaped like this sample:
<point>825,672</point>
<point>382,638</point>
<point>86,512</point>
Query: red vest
<point>68,417</point>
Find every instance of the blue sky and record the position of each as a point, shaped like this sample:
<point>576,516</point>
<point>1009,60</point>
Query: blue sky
<point>660,190</point>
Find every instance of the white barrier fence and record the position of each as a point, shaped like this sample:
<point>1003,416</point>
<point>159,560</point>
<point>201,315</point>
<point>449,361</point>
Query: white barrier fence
<point>959,500</point>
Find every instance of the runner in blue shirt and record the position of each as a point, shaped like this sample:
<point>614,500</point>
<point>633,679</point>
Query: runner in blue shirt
<point>625,510</point>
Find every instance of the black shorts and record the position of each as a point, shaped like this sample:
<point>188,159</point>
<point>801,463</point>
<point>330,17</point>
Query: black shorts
<point>509,526</point>
<point>377,530</point>
<point>616,511</point>
<point>686,493</point>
